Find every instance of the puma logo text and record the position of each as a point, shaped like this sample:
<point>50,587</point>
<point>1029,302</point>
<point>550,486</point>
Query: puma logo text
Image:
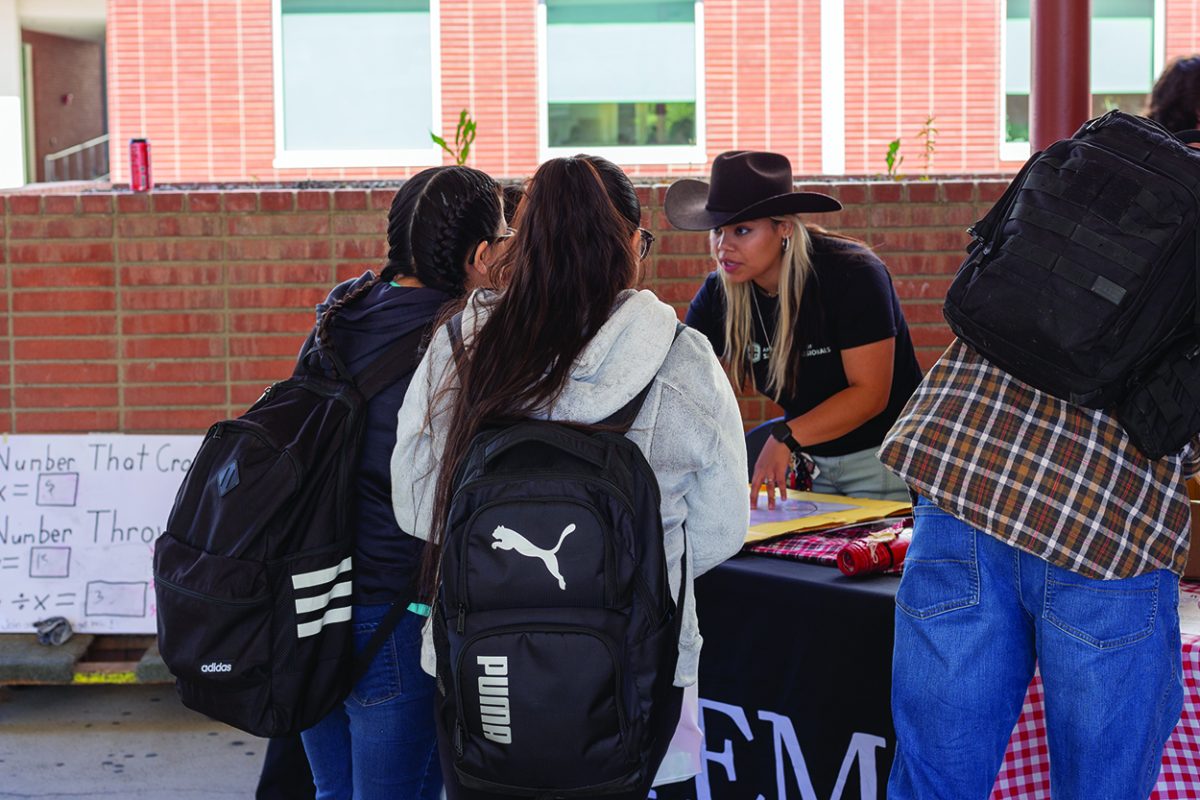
<point>508,539</point>
<point>493,699</point>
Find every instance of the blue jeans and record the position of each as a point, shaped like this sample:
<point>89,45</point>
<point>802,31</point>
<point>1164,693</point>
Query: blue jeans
<point>381,742</point>
<point>973,617</point>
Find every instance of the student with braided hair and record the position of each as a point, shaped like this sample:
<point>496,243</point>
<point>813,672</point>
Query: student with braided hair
<point>381,742</point>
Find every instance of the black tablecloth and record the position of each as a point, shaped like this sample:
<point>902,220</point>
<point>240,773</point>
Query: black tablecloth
<point>795,680</point>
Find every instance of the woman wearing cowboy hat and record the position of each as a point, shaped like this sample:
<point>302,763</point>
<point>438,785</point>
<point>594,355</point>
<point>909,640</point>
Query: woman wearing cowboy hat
<point>811,315</point>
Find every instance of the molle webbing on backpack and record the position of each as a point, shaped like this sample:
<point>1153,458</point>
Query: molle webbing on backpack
<point>1084,272</point>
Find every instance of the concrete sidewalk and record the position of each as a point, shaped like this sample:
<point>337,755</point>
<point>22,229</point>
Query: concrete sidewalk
<point>134,742</point>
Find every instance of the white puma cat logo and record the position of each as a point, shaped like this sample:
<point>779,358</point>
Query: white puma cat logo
<point>508,539</point>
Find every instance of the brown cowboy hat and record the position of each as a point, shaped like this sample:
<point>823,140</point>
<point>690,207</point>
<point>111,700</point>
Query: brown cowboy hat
<point>744,185</point>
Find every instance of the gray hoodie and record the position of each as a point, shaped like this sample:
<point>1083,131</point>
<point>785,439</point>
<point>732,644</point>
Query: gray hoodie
<point>689,429</point>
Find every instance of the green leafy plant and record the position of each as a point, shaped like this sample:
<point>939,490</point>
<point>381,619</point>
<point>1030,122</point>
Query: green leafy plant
<point>894,159</point>
<point>464,137</point>
<point>928,134</point>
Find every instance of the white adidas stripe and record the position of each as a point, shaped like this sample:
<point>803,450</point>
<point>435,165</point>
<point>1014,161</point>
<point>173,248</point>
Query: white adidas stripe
<point>305,580</point>
<point>319,601</point>
<point>331,616</point>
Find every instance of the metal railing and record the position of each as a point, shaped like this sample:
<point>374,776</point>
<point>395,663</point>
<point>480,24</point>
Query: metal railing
<point>84,162</point>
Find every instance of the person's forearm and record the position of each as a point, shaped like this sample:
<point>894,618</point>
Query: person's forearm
<point>838,415</point>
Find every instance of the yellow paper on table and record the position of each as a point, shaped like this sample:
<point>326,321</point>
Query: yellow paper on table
<point>809,511</point>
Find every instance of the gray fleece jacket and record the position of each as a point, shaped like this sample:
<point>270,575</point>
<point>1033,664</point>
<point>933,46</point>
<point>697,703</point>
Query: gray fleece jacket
<point>689,429</point>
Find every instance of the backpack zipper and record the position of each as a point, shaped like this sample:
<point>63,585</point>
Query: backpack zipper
<point>489,479</point>
<point>196,595</point>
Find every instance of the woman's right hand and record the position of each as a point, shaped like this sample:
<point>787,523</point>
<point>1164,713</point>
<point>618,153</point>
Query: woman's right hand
<point>770,472</point>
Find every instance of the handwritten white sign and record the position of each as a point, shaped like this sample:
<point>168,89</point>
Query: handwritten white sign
<point>79,515</point>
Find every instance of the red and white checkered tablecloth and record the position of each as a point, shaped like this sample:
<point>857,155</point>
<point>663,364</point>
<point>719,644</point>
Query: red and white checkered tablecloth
<point>1025,773</point>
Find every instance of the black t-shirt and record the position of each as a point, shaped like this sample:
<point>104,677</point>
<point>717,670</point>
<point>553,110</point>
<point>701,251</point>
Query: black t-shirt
<point>849,301</point>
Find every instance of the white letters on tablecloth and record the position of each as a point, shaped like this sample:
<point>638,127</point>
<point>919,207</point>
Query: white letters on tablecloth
<point>786,747</point>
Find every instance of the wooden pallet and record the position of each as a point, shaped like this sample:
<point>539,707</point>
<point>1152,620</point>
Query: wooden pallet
<point>83,659</point>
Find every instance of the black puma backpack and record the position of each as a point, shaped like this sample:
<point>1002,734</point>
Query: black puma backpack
<point>555,630</point>
<point>1083,276</point>
<point>253,574</point>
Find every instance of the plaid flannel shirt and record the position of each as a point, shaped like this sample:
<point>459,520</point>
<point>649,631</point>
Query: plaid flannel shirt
<point>1056,480</point>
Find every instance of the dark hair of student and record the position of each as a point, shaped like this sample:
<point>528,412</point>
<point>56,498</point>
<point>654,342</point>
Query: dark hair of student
<point>619,187</point>
<point>570,258</point>
<point>513,194</point>
<point>1175,99</point>
<point>456,208</point>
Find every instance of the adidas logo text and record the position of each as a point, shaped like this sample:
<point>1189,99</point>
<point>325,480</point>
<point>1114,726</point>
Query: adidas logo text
<point>217,666</point>
<point>493,699</point>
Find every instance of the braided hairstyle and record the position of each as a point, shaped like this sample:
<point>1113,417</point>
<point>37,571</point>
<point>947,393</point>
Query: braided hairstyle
<point>458,208</point>
<point>1175,99</point>
<point>436,220</point>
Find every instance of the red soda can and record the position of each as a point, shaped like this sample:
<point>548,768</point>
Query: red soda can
<point>864,556</point>
<point>139,165</point>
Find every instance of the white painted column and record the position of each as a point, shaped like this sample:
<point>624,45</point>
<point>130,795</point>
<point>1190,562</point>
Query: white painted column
<point>833,87</point>
<point>12,122</point>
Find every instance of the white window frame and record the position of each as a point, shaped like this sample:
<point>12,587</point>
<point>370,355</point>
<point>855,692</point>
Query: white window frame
<point>630,155</point>
<point>1020,151</point>
<point>430,156</point>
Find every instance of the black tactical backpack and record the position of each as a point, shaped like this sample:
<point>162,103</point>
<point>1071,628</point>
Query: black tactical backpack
<point>253,574</point>
<point>1082,278</point>
<point>555,629</point>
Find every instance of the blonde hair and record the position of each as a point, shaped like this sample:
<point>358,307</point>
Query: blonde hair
<point>795,269</point>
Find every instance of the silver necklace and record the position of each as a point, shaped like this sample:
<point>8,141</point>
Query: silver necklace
<point>762,326</point>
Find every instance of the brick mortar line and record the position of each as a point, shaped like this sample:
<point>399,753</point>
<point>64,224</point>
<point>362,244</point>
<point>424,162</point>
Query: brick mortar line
<point>9,339</point>
<point>226,320</point>
<point>118,318</point>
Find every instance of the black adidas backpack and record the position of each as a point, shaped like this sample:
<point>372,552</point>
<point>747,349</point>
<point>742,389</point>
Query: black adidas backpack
<point>253,573</point>
<point>1083,275</point>
<point>555,629</point>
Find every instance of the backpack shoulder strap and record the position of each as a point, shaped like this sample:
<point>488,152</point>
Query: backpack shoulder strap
<point>623,417</point>
<point>364,657</point>
<point>399,359</point>
<point>454,331</point>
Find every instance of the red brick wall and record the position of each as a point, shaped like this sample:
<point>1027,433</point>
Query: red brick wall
<point>918,58</point>
<point>168,311</point>
<point>1182,29</point>
<point>196,78</point>
<point>64,66</point>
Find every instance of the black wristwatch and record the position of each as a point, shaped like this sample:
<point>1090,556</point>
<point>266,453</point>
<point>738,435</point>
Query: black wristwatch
<point>782,433</point>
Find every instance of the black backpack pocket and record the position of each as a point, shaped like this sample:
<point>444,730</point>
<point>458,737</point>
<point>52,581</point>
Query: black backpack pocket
<point>537,552</point>
<point>1161,411</point>
<point>227,646</point>
<point>542,706</point>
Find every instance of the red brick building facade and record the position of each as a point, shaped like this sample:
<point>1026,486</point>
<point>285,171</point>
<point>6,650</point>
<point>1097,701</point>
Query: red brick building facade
<point>170,310</point>
<point>828,82</point>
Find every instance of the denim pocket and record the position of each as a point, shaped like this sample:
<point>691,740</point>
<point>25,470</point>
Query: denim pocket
<point>1102,614</point>
<point>381,682</point>
<point>941,571</point>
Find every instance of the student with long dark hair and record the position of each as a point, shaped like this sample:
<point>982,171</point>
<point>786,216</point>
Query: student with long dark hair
<point>381,742</point>
<point>569,339</point>
<point>1174,102</point>
<point>811,316</point>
